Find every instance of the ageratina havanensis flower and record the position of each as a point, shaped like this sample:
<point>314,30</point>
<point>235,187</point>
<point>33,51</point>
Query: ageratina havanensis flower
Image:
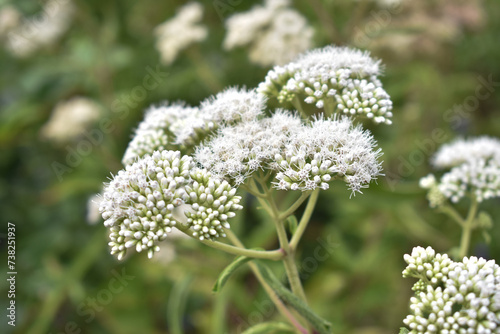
<point>143,202</point>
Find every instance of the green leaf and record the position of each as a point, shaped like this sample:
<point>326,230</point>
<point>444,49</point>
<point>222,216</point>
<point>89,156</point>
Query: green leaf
<point>292,224</point>
<point>177,305</point>
<point>269,328</point>
<point>228,271</point>
<point>403,330</point>
<point>320,324</point>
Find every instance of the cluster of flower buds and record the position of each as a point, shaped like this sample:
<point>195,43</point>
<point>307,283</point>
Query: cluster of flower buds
<point>475,171</point>
<point>453,297</point>
<point>143,202</point>
<point>336,79</point>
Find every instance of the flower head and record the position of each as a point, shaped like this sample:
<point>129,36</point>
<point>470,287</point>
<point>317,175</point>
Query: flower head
<point>238,151</point>
<point>453,297</point>
<point>178,33</point>
<point>332,78</point>
<point>143,202</point>
<point>70,119</point>
<point>325,150</point>
<point>274,33</point>
<point>160,130</point>
<point>475,171</point>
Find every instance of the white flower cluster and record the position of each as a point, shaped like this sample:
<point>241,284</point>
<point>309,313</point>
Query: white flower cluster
<point>178,33</point>
<point>147,199</point>
<point>238,151</point>
<point>453,297</point>
<point>327,149</point>
<point>41,30</point>
<point>305,157</point>
<point>177,126</point>
<point>475,170</point>
<point>159,124</point>
<point>462,150</point>
<point>70,119</point>
<point>334,79</point>
<point>274,33</point>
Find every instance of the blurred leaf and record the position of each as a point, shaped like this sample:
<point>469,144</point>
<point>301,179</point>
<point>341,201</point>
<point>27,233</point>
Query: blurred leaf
<point>177,305</point>
<point>228,271</point>
<point>269,328</point>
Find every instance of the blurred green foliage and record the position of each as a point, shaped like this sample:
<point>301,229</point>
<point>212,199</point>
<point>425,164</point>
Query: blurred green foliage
<point>66,280</point>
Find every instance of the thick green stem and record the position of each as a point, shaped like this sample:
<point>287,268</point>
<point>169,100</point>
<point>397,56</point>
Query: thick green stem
<point>270,292</point>
<point>452,213</point>
<point>467,228</point>
<point>274,255</point>
<point>311,204</point>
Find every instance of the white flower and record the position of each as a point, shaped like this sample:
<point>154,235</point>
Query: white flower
<point>328,149</point>
<point>145,200</point>
<point>41,30</point>
<point>234,105</point>
<point>178,33</point>
<point>428,181</point>
<point>70,119</point>
<point>163,127</point>
<point>334,79</point>
<point>274,33</point>
<point>238,151</point>
<point>452,297</point>
<point>463,150</point>
<point>475,171</point>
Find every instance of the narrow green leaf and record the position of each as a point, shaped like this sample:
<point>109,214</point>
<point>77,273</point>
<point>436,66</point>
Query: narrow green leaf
<point>403,330</point>
<point>269,328</point>
<point>228,271</point>
<point>292,224</point>
<point>320,324</point>
<point>177,304</point>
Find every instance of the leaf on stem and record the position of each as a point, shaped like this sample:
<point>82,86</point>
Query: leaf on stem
<point>228,271</point>
<point>269,328</point>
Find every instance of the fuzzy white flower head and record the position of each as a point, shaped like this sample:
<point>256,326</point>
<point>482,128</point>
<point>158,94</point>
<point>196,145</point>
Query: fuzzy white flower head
<point>155,131</point>
<point>336,79</point>
<point>274,33</point>
<point>453,297</point>
<point>328,149</point>
<point>475,170</point>
<point>143,202</point>
<point>178,33</point>
<point>464,150</point>
<point>238,151</point>
<point>41,30</point>
<point>70,119</point>
<point>234,105</point>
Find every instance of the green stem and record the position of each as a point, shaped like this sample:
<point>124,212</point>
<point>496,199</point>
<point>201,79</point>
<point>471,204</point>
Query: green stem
<point>467,228</point>
<point>289,257</point>
<point>274,255</point>
<point>295,206</point>
<point>270,292</point>
<point>311,204</point>
<point>452,213</point>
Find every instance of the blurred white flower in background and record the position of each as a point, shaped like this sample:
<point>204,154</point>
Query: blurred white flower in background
<point>275,33</point>
<point>70,119</point>
<point>93,214</point>
<point>40,30</point>
<point>9,19</point>
<point>178,33</point>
